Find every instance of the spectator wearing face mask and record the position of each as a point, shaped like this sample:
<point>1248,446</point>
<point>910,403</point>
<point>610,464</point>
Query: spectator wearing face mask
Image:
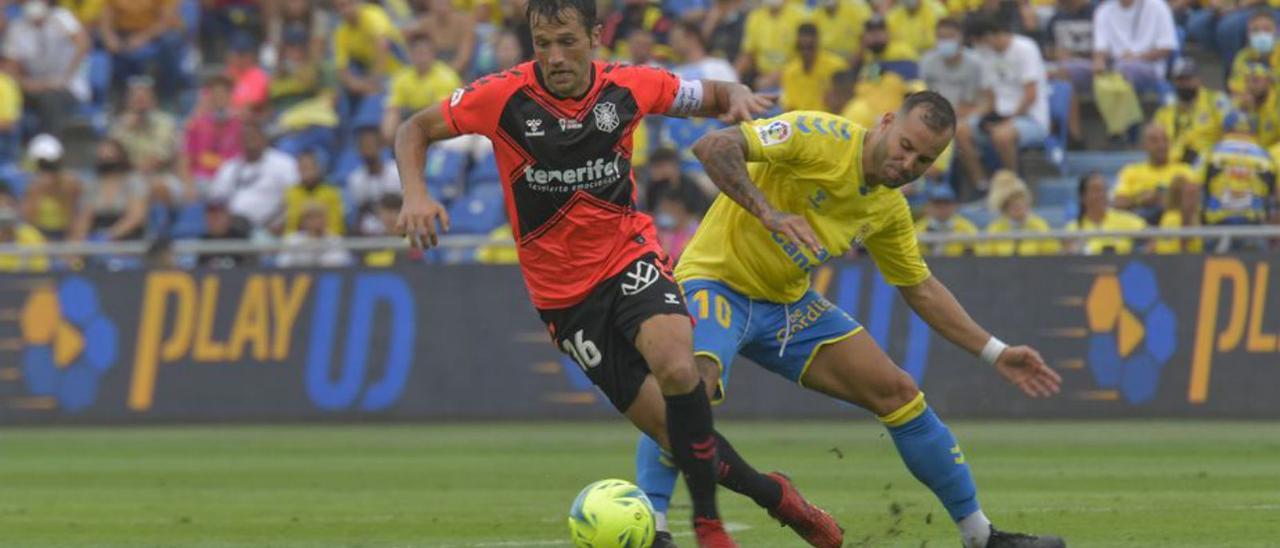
<point>1261,49</point>
<point>953,70</point>
<point>1193,119</point>
<point>52,198</point>
<point>1011,201</point>
<point>114,208</point>
<point>941,216</point>
<point>913,22</point>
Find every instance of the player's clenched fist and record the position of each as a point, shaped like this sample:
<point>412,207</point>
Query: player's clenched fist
<point>418,220</point>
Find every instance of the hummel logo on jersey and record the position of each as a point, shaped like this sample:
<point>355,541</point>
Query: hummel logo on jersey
<point>569,124</point>
<point>672,298</point>
<point>640,278</point>
<point>606,117</point>
<point>534,126</point>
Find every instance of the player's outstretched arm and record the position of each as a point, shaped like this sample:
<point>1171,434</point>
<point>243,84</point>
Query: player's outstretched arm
<point>420,213</point>
<point>723,154</point>
<point>1020,365</point>
<point>732,102</point>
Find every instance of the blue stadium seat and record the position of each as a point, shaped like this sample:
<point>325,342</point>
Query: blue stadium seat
<point>189,222</point>
<point>1106,162</point>
<point>483,171</point>
<point>14,176</point>
<point>1055,191</point>
<point>977,213</point>
<point>908,70</point>
<point>479,212</point>
<point>446,173</point>
<point>369,113</point>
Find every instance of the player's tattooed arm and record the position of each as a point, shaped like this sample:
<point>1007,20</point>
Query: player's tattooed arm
<point>723,154</point>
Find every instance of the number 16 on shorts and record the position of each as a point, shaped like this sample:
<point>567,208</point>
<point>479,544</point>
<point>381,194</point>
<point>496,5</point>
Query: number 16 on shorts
<point>583,351</point>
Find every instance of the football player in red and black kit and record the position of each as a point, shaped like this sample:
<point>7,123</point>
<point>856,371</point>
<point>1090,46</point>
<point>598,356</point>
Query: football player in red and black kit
<point>562,127</point>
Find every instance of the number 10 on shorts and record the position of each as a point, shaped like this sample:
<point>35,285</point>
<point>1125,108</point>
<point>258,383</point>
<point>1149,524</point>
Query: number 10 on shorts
<point>583,351</point>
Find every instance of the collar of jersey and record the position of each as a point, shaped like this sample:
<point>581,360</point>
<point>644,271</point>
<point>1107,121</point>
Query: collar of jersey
<point>537,75</point>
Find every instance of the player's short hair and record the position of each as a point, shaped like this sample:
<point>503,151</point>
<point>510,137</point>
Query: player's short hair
<point>937,114</point>
<point>551,10</point>
<point>807,29</point>
<point>949,23</point>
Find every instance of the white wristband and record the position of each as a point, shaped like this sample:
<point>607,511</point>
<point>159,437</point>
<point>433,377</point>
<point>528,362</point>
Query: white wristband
<point>991,352</point>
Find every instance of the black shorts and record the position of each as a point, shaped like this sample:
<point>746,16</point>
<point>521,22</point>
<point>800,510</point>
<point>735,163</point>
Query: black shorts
<point>599,333</point>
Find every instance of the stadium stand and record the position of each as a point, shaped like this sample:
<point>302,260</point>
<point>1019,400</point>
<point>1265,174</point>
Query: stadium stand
<point>315,58</point>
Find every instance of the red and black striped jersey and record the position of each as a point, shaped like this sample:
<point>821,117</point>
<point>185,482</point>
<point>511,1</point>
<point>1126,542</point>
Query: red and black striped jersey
<point>566,170</point>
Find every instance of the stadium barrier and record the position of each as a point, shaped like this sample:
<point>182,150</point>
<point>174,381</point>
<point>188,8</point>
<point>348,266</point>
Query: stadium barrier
<point>1167,336</point>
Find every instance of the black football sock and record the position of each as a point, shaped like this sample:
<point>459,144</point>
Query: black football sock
<point>693,444</point>
<point>740,477</point>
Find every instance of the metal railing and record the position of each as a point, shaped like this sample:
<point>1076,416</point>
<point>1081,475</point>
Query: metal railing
<point>198,247</point>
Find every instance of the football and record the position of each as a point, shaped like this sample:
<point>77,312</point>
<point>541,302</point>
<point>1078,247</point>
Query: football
<point>611,513</point>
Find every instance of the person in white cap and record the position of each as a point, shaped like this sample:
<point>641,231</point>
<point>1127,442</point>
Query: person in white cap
<point>51,200</point>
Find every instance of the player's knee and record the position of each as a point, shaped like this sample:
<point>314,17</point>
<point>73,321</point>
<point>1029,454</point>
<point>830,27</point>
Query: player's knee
<point>675,374</point>
<point>893,394</point>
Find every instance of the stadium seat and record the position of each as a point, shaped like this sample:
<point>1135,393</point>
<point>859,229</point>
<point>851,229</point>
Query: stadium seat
<point>908,70</point>
<point>446,173</point>
<point>13,175</point>
<point>369,113</point>
<point>479,212</point>
<point>1105,162</point>
<point>484,170</point>
<point>188,222</point>
<point>1055,191</point>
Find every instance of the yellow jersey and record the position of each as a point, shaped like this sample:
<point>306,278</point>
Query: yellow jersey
<point>1266,119</point>
<point>806,163</point>
<point>414,91</point>
<point>25,236</point>
<point>1195,129</point>
<point>957,224</point>
<point>771,39</point>
<point>358,43</point>
<point>918,29</point>
<point>1113,220</point>
<point>840,30</point>
<point>807,90</point>
<point>1137,179</point>
<point>1024,248</point>
<point>298,198</point>
<point>1240,66</point>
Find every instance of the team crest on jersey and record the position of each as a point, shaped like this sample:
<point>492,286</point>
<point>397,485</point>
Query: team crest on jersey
<point>606,117</point>
<point>533,128</point>
<point>776,132</point>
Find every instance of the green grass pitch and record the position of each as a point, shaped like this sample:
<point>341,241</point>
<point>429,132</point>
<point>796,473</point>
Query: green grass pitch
<point>1132,484</point>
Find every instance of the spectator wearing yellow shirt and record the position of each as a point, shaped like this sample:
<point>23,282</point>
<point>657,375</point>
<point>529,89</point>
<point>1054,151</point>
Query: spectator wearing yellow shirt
<point>768,42</point>
<point>912,22</point>
<point>367,46</point>
<point>840,25</point>
<point>500,249</point>
<point>415,87</point>
<point>807,78</point>
<point>1097,215</point>
<point>941,216</point>
<point>1011,200</point>
<point>86,11</point>
<point>1181,209</point>
<point>10,111</point>
<point>1193,120</point>
<point>14,231</point>
<point>1261,103</point>
<point>52,198</point>
<point>313,190</point>
<point>1260,49</point>
<point>1141,187</point>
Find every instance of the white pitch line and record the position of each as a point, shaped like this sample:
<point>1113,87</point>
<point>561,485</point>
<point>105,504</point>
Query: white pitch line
<point>731,527</point>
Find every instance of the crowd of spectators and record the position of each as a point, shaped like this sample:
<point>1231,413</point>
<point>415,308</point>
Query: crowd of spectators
<point>126,120</point>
